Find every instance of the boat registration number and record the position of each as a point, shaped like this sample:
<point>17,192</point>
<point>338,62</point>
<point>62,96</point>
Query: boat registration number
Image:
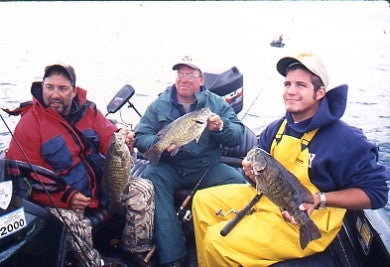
<point>365,235</point>
<point>12,222</point>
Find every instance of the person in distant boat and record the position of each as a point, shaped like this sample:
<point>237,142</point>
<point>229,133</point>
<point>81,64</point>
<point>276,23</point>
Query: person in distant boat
<point>66,133</point>
<point>333,160</point>
<point>194,161</point>
<point>280,39</point>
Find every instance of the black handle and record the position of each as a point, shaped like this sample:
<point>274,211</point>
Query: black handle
<point>230,225</point>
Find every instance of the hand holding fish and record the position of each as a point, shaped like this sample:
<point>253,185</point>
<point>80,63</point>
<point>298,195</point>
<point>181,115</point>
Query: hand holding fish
<point>171,148</point>
<point>308,207</point>
<point>116,173</point>
<point>247,167</point>
<point>130,137</point>
<point>285,191</point>
<point>214,123</point>
<point>178,133</point>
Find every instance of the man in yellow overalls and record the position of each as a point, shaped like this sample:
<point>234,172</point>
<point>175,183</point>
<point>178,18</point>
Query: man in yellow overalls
<point>332,159</point>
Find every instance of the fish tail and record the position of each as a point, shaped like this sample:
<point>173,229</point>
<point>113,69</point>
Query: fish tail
<point>308,232</point>
<point>153,155</point>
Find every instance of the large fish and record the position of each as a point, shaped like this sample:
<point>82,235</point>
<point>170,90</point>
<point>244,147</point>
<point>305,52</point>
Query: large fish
<point>179,132</point>
<point>117,171</point>
<point>284,190</point>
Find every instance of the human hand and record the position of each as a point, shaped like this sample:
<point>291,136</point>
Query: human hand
<point>214,123</point>
<point>288,217</point>
<point>171,148</point>
<point>247,169</point>
<point>308,207</point>
<point>130,137</point>
<point>79,202</point>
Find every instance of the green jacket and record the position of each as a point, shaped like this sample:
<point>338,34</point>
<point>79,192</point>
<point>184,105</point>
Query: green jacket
<point>166,109</point>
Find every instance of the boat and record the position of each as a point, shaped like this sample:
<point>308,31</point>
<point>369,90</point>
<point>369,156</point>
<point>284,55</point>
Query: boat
<point>31,236</point>
<point>277,42</point>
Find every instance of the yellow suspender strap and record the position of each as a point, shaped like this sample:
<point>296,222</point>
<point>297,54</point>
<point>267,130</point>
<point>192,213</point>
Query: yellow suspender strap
<point>279,134</point>
<point>305,140</point>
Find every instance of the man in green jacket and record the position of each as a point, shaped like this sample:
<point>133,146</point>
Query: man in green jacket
<point>194,160</point>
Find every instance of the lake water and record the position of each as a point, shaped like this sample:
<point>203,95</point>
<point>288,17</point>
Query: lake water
<point>115,43</point>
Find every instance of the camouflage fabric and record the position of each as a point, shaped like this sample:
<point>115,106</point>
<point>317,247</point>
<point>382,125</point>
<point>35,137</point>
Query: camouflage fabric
<point>137,236</point>
<point>79,236</point>
<point>138,201</point>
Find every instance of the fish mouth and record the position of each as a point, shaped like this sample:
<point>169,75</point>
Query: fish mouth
<point>199,121</point>
<point>257,169</point>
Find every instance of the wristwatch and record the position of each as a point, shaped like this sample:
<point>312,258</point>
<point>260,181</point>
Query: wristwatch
<point>322,201</point>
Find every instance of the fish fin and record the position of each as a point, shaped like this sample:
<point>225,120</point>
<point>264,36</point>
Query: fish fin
<point>307,195</point>
<point>308,232</point>
<point>174,152</point>
<point>198,137</point>
<point>152,155</point>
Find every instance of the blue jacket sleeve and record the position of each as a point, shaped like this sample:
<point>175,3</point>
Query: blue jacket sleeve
<point>354,165</point>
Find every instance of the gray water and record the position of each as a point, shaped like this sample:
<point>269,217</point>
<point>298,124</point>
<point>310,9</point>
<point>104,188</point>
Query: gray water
<point>115,43</point>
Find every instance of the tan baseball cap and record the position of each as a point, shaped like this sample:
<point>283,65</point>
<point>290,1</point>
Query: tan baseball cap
<point>311,61</point>
<point>187,61</point>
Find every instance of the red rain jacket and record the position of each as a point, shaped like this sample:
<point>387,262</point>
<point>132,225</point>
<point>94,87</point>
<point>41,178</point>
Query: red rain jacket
<point>71,148</point>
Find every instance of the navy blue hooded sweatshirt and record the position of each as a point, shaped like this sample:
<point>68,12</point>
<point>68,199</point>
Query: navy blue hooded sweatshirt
<point>344,158</point>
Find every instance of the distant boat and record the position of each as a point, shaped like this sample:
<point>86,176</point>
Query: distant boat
<point>278,42</point>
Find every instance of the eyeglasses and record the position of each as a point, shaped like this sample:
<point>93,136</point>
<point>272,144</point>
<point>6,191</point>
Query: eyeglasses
<point>187,76</point>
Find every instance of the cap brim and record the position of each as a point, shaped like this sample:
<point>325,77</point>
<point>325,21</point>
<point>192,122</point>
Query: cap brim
<point>49,67</point>
<point>192,66</point>
<point>69,70</point>
<point>283,64</point>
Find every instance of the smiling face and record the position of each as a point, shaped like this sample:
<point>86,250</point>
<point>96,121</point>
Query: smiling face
<point>58,93</point>
<point>299,95</point>
<point>188,83</point>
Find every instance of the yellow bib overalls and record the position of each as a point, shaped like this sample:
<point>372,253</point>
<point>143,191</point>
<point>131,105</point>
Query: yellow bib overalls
<point>263,237</point>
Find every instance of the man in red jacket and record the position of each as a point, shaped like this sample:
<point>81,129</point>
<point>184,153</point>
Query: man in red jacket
<point>64,132</point>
